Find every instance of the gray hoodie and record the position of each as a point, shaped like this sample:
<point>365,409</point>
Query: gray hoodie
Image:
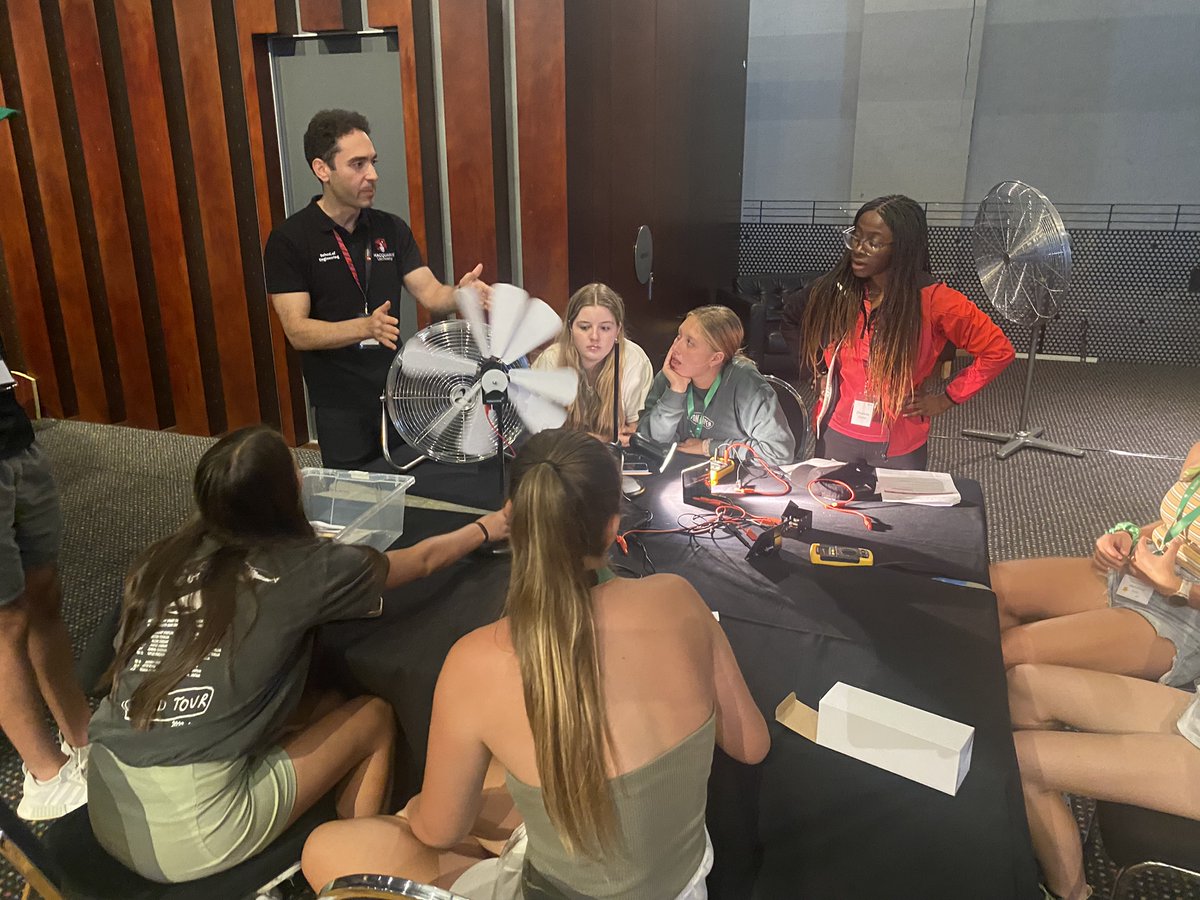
<point>744,408</point>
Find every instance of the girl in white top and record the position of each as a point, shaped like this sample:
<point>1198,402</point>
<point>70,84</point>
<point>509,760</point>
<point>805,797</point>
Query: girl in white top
<point>593,341</point>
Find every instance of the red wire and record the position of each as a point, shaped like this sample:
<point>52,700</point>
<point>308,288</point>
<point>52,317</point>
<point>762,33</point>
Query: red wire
<point>770,470</point>
<point>839,505</point>
<point>487,414</point>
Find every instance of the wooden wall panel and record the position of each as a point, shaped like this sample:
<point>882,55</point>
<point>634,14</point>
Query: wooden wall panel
<point>398,14</point>
<point>257,17</point>
<point>320,15</point>
<point>154,246</point>
<point>156,166</point>
<point>33,338</point>
<point>540,58</point>
<point>468,114</point>
<point>108,206</point>
<point>218,215</point>
<point>37,88</point>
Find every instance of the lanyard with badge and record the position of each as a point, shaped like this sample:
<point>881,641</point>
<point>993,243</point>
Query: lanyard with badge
<point>863,411</point>
<point>697,422</point>
<point>1180,526</point>
<point>365,283</point>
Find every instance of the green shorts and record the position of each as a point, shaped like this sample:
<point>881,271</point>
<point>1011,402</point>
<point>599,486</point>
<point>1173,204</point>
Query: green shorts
<point>180,823</point>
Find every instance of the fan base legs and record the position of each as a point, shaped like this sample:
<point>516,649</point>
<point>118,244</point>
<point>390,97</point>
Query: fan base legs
<point>1020,440</point>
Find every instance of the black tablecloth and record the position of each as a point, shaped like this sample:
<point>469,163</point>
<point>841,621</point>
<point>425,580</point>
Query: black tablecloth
<point>808,821</point>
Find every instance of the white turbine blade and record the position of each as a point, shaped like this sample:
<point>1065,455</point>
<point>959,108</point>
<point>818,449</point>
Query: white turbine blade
<point>478,438</point>
<point>540,324</point>
<point>507,309</point>
<point>456,408</point>
<point>536,412</point>
<point>471,306</point>
<point>559,385</point>
<point>420,359</point>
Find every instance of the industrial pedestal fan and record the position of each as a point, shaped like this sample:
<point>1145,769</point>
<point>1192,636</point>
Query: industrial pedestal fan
<point>1023,255</point>
<point>453,386</point>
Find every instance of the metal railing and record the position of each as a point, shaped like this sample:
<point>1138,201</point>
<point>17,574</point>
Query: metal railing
<point>1099,216</point>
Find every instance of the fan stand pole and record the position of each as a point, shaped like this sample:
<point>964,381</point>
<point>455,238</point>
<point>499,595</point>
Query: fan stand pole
<point>500,447</point>
<point>1024,437</point>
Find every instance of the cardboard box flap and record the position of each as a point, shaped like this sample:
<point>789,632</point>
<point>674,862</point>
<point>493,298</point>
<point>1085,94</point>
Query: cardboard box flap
<point>793,714</point>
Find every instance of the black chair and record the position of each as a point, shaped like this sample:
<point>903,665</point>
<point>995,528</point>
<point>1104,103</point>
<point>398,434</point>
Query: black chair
<point>758,300</point>
<point>1141,840</point>
<point>68,863</point>
<point>795,411</point>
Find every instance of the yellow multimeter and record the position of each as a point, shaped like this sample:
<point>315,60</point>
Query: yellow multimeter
<point>833,555</point>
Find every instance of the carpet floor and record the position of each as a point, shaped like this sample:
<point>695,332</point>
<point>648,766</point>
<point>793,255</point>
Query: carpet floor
<point>123,488</point>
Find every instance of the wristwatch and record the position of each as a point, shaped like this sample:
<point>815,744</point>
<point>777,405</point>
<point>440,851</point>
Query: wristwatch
<point>1184,590</point>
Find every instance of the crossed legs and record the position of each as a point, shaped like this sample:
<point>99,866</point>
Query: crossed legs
<point>1055,610</point>
<point>1126,749</point>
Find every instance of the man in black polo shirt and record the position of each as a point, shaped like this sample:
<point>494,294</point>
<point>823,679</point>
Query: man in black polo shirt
<point>334,272</point>
<point>35,649</point>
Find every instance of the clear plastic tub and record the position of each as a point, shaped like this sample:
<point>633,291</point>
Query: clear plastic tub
<point>355,507</point>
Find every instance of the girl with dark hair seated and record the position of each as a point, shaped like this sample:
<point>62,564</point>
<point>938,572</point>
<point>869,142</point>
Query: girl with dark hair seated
<point>601,698</point>
<point>203,753</point>
<point>873,329</point>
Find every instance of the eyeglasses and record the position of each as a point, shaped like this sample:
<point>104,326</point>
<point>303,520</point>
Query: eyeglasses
<point>852,241</point>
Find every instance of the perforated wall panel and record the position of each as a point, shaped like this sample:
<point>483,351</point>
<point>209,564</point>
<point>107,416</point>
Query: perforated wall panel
<point>1128,298</point>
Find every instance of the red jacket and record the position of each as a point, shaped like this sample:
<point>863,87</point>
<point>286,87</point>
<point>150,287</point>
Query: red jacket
<point>946,315</point>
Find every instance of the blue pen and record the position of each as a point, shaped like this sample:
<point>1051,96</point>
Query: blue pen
<point>961,583</point>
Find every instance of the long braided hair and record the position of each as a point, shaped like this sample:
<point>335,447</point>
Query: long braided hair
<point>836,300</point>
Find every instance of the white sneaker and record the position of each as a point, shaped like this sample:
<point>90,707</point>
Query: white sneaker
<point>43,800</point>
<point>80,754</point>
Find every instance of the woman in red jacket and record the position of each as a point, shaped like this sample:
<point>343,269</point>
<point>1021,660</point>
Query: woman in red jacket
<point>875,326</point>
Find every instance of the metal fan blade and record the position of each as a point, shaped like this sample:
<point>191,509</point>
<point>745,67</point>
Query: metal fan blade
<point>559,385</point>
<point>422,360</point>
<point>470,304</point>
<point>456,408</point>
<point>536,412</point>
<point>478,438</point>
<point>507,311</point>
<point>540,324</point>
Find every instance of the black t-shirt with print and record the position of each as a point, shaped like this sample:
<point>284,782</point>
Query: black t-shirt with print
<point>16,434</point>
<point>303,256</point>
<point>236,700</point>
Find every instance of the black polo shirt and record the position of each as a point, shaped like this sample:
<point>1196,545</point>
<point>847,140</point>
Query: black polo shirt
<point>16,434</point>
<point>303,255</point>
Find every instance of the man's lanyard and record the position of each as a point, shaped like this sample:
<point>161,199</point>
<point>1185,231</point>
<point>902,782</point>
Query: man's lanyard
<point>366,280</point>
<point>1182,522</point>
<point>712,389</point>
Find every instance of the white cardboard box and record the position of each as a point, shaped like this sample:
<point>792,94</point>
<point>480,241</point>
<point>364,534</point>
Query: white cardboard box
<point>911,742</point>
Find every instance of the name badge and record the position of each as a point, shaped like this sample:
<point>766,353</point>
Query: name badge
<point>862,414</point>
<point>1134,589</point>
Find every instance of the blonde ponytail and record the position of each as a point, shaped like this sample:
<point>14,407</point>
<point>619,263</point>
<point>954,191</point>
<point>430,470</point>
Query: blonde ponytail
<point>565,489</point>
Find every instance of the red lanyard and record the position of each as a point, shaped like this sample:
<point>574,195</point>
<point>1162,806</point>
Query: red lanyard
<point>350,265</point>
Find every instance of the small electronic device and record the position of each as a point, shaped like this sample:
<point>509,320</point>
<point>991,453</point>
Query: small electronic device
<point>833,555</point>
<point>718,468</point>
<point>635,467</point>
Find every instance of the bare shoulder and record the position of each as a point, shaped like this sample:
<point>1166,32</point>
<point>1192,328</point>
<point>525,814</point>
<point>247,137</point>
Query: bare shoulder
<point>480,653</point>
<point>667,592</point>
